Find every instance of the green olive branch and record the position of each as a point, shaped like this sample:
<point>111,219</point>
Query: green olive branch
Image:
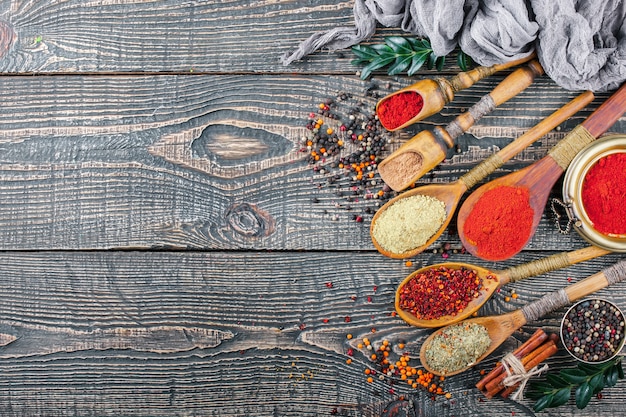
<point>588,380</point>
<point>402,54</point>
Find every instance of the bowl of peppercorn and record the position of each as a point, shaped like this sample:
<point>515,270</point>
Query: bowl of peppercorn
<point>592,330</point>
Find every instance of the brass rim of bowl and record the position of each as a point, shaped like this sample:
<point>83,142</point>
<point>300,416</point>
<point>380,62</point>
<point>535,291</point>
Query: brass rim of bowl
<point>572,190</point>
<point>621,343</point>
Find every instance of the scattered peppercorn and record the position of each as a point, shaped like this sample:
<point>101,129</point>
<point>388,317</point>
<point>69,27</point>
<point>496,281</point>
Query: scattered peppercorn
<point>345,142</point>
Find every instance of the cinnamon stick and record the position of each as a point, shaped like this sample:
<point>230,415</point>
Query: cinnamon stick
<point>497,385</point>
<point>553,348</point>
<point>524,349</point>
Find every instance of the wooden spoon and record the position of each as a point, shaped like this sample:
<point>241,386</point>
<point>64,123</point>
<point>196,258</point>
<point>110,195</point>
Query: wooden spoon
<point>438,92</point>
<point>425,150</point>
<point>541,176</point>
<point>451,193</point>
<point>492,280</point>
<point>502,326</point>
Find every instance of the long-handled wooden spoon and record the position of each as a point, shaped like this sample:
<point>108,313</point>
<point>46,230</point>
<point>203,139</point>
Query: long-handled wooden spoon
<point>451,193</point>
<point>425,150</point>
<point>492,280</point>
<point>540,177</point>
<point>502,326</point>
<point>438,92</point>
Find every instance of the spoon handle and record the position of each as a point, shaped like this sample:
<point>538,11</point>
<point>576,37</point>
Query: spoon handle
<point>512,85</point>
<point>557,299</point>
<point>607,114</point>
<point>495,161</point>
<point>466,79</point>
<point>593,126</point>
<point>550,263</point>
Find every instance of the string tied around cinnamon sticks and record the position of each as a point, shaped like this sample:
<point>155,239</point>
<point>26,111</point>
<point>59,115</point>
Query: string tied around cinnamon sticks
<point>518,375</point>
<point>539,347</point>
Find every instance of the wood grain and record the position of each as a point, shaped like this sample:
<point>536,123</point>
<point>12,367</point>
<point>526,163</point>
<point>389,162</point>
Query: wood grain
<point>232,36</point>
<point>186,338</point>
<point>210,162</point>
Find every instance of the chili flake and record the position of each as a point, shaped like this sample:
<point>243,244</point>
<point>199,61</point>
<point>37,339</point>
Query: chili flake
<point>440,291</point>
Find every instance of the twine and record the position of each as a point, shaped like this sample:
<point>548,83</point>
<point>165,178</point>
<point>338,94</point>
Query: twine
<point>516,373</point>
<point>481,170</point>
<point>616,273</point>
<point>564,151</point>
<point>545,304</point>
<point>478,110</point>
<point>538,267</point>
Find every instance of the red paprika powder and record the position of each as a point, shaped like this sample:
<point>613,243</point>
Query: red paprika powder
<point>500,222</point>
<point>604,194</point>
<point>399,109</point>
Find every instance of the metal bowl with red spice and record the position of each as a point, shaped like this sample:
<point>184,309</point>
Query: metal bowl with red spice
<point>594,193</point>
<point>437,295</point>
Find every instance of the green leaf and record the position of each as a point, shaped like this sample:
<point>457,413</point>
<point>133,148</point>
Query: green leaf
<point>597,383</point>
<point>573,375</point>
<point>431,61</point>
<point>589,369</point>
<point>543,403</point>
<point>401,64</point>
<point>583,395</point>
<point>557,381</point>
<point>561,397</point>
<point>440,62</point>
<point>382,49</point>
<point>464,61</point>
<point>374,65</point>
<point>620,370</point>
<point>364,52</point>
<point>417,61</point>
<point>612,376</point>
<point>399,44</point>
<point>542,386</point>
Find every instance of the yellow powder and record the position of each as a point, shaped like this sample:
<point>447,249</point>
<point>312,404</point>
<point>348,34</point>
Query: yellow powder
<point>409,223</point>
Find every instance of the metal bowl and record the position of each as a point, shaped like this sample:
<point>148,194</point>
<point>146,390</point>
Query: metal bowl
<point>572,191</point>
<point>587,305</point>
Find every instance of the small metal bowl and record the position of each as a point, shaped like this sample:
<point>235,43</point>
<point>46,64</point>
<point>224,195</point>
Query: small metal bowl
<point>572,191</point>
<point>579,348</point>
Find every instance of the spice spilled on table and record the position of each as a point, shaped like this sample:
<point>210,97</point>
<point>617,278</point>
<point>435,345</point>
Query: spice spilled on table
<point>456,347</point>
<point>409,223</point>
<point>604,194</point>
<point>500,223</point>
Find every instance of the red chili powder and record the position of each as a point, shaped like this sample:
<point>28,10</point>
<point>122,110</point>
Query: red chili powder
<point>500,222</point>
<point>399,109</point>
<point>604,194</point>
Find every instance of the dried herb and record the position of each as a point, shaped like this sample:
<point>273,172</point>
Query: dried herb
<point>402,54</point>
<point>588,380</point>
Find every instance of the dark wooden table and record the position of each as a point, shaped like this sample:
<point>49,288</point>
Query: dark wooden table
<point>167,250</point>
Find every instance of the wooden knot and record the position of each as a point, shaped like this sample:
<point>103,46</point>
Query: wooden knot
<point>7,37</point>
<point>249,221</point>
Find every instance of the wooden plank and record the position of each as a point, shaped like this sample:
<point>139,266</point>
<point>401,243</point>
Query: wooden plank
<point>212,162</point>
<point>232,36</point>
<point>226,333</point>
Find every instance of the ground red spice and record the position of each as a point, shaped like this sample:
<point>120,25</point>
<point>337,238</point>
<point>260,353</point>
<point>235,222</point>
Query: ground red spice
<point>500,222</point>
<point>604,194</point>
<point>440,291</point>
<point>399,109</point>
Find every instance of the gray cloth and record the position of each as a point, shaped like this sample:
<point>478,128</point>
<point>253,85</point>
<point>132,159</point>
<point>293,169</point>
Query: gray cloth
<point>581,44</point>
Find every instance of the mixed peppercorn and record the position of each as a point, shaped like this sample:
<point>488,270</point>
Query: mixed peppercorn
<point>346,152</point>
